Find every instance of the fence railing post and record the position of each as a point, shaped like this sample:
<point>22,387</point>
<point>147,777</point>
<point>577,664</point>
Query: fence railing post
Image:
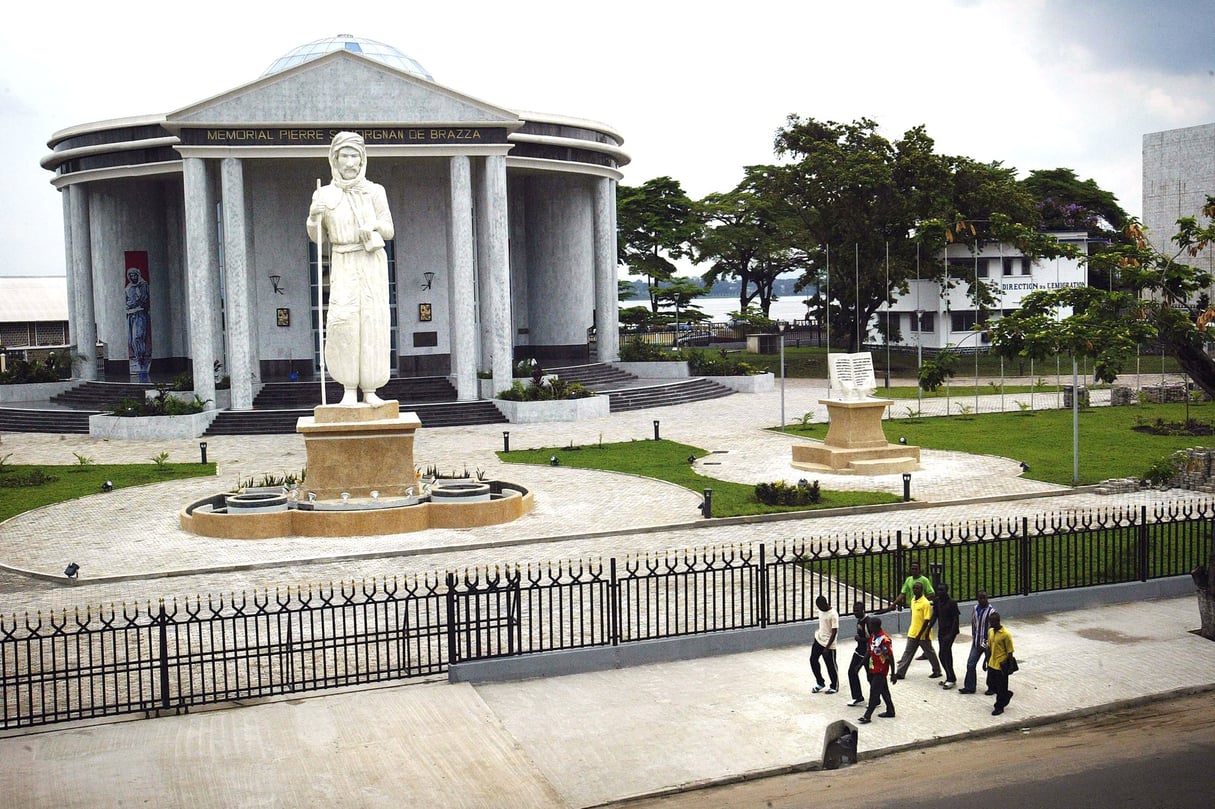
<point>1025,562</point>
<point>1142,544</point>
<point>763,587</point>
<point>453,655</point>
<point>613,605</point>
<point>162,620</point>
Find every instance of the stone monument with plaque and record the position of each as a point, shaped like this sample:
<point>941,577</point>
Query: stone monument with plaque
<point>855,442</point>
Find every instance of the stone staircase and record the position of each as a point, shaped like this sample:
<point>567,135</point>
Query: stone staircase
<point>25,420</point>
<point>100,396</point>
<point>300,395</point>
<point>599,377</point>
<point>697,389</point>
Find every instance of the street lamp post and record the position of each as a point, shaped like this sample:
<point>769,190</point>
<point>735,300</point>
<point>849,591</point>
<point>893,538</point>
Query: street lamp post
<point>781,328</point>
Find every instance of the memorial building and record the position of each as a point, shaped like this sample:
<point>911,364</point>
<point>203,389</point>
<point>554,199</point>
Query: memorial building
<point>187,250</point>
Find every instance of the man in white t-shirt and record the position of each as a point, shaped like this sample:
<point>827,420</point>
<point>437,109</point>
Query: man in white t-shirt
<point>824,646</point>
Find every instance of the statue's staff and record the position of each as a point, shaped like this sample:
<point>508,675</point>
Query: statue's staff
<point>320,289</point>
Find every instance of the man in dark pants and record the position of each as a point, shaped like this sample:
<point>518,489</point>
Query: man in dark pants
<point>859,654</point>
<point>824,647</point>
<point>945,614</point>
<point>880,662</point>
<point>999,650</point>
<point>979,617</point>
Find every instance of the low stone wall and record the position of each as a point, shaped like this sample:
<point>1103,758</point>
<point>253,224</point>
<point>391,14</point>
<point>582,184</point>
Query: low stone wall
<point>1166,393</point>
<point>756,383</point>
<point>35,391</point>
<point>592,407</point>
<point>655,370</point>
<point>151,427</point>
<point>1197,470</point>
<point>1122,395</point>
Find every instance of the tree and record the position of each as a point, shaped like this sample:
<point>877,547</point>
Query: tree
<point>868,203</point>
<point>747,236</point>
<point>656,221</point>
<point>1067,203</point>
<point>679,294</point>
<point>1152,297</point>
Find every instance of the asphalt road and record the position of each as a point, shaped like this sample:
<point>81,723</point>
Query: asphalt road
<point>1157,755</point>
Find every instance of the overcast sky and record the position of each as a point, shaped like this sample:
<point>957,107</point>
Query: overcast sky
<point>697,91</point>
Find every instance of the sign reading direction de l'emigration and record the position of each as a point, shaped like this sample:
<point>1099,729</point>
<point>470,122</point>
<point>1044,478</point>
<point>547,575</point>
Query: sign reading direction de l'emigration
<point>322,136</point>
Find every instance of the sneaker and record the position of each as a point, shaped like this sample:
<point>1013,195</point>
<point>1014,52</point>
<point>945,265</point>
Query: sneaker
<point>831,690</point>
<point>887,714</point>
<point>997,712</point>
<point>856,702</point>
<point>936,675</point>
<point>966,691</point>
<point>818,688</point>
<point>864,720</point>
<point>947,685</point>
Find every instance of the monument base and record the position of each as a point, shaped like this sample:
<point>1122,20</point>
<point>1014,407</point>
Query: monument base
<point>358,450</point>
<point>855,442</point>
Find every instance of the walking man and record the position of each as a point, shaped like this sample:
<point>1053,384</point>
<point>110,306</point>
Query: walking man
<point>999,650</point>
<point>979,624</point>
<point>824,646</point>
<point>919,635</point>
<point>859,654</point>
<point>946,615</point>
<point>905,595</point>
<point>880,661</point>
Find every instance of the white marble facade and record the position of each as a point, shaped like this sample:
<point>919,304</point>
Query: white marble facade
<point>505,240</point>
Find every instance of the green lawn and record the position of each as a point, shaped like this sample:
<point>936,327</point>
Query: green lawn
<point>69,482</point>
<point>1109,447</point>
<point>668,460</point>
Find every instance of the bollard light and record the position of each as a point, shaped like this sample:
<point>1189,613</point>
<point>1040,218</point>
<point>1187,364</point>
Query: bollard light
<point>906,486</point>
<point>706,507</point>
<point>108,486</point>
<point>655,429</point>
<point>202,448</point>
<point>554,461</point>
<point>506,440</point>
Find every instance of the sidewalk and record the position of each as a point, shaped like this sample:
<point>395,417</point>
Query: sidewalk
<point>575,741</point>
<point>589,739</point>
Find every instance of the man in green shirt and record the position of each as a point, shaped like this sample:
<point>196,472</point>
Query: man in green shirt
<point>919,635</point>
<point>903,599</point>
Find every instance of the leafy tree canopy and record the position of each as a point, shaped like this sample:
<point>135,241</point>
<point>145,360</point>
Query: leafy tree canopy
<point>656,222</point>
<point>1153,296</point>
<point>1067,203</point>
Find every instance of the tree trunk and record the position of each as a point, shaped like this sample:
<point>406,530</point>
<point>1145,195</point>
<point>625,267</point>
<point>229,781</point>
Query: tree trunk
<point>1197,365</point>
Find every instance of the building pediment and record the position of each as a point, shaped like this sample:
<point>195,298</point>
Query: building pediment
<point>340,89</point>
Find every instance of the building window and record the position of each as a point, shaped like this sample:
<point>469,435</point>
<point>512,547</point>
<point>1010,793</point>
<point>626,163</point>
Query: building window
<point>928,322</point>
<point>963,321</point>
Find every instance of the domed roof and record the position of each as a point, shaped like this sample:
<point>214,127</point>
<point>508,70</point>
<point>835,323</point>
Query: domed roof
<point>385,54</point>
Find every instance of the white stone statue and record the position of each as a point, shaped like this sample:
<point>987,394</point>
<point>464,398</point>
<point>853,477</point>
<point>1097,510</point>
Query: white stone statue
<point>356,219</point>
<point>851,376</point>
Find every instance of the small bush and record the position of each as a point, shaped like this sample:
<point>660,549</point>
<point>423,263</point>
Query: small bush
<point>780,493</point>
<point>637,350</point>
<point>717,363</point>
<point>549,391</point>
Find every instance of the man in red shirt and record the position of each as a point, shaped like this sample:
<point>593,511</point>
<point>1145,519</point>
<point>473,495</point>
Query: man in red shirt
<point>881,660</point>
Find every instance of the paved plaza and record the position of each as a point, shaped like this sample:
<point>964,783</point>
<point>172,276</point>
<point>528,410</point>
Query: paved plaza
<point>579,740</point>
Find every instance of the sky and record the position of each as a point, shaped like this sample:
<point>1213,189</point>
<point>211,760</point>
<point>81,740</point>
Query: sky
<point>696,91</point>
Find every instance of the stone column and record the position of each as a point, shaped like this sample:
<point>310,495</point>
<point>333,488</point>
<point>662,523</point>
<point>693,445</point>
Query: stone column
<point>85,324</point>
<point>201,274</point>
<point>461,266</point>
<point>66,201</point>
<point>236,276</point>
<point>607,300</point>
<point>494,233</point>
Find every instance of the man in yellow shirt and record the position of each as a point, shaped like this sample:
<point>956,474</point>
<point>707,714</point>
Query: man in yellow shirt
<point>919,635</point>
<point>999,650</point>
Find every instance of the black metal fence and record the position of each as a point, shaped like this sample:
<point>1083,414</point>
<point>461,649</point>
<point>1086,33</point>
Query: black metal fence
<point>173,656</point>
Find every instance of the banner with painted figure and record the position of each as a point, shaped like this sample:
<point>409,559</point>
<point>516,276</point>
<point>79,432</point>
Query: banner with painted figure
<point>139,314</point>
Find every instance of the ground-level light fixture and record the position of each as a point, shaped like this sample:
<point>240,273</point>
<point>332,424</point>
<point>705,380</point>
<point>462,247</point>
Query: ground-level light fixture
<point>72,570</point>
<point>108,486</point>
<point>554,461</point>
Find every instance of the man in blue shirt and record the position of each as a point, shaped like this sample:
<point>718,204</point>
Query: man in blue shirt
<point>980,618</point>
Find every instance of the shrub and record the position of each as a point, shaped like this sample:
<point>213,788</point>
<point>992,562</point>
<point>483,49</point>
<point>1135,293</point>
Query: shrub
<point>162,405</point>
<point>717,363</point>
<point>548,391</point>
<point>780,493</point>
<point>637,350</point>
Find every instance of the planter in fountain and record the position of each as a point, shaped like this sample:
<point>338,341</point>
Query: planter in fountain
<point>255,502</point>
<point>464,491</point>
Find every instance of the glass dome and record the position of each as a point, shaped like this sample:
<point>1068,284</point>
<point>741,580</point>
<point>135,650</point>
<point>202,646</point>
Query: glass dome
<point>385,54</point>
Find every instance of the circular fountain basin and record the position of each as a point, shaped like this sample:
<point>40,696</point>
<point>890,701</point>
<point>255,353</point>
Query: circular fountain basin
<point>255,502</point>
<point>462,492</point>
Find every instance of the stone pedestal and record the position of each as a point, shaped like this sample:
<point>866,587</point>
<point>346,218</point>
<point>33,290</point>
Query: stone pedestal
<point>358,450</point>
<point>856,443</point>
